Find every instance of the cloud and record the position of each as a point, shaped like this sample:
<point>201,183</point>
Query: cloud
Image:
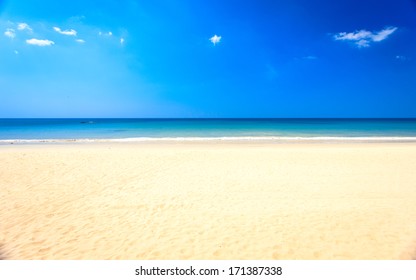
<point>24,26</point>
<point>81,41</point>
<point>401,57</point>
<point>362,43</point>
<point>10,33</point>
<point>310,57</point>
<point>383,34</point>
<point>364,38</point>
<point>40,43</point>
<point>109,33</point>
<point>215,39</point>
<point>121,40</point>
<point>16,52</point>
<point>70,32</point>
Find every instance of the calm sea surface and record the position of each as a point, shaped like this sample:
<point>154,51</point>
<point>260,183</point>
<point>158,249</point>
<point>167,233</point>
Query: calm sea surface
<point>15,129</point>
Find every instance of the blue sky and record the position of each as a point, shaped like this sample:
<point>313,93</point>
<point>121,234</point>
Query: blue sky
<point>218,58</point>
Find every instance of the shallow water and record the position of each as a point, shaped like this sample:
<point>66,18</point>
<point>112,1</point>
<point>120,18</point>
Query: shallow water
<point>15,129</point>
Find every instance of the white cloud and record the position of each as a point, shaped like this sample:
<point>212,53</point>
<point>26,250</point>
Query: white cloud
<point>81,41</point>
<point>363,38</point>
<point>40,43</point>
<point>109,33</point>
<point>358,35</point>
<point>24,26</point>
<point>401,57</point>
<point>70,32</point>
<point>121,40</point>
<point>215,39</point>
<point>383,34</point>
<point>10,33</point>
<point>362,43</point>
<point>16,52</point>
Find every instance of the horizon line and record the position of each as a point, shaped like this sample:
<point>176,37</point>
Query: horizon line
<point>212,118</point>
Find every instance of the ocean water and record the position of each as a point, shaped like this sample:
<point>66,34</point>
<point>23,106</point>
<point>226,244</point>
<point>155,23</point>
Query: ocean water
<point>41,129</point>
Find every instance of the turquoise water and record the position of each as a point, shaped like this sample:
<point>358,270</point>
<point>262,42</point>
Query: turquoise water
<point>15,129</point>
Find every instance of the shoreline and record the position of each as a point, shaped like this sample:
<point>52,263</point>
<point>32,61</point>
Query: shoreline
<point>243,139</point>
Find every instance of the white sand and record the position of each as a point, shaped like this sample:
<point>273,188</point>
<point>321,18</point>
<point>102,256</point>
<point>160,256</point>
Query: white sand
<point>208,201</point>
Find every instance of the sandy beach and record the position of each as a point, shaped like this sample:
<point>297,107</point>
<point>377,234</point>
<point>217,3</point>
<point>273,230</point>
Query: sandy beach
<point>208,201</point>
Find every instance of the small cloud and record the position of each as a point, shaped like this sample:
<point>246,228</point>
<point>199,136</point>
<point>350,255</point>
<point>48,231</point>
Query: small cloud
<point>108,34</point>
<point>70,32</point>
<point>10,33</point>
<point>310,57</point>
<point>16,52</point>
<point>383,34</point>
<point>362,43</point>
<point>358,35</point>
<point>363,38</point>
<point>81,41</point>
<point>401,57</point>
<point>122,41</point>
<point>215,39</point>
<point>40,43</point>
<point>24,26</point>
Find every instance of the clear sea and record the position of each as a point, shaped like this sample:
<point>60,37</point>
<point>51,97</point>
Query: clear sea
<point>41,129</point>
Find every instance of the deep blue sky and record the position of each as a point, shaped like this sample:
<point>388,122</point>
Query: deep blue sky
<point>296,58</point>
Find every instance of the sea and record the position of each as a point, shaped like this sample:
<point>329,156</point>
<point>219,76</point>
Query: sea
<point>93,129</point>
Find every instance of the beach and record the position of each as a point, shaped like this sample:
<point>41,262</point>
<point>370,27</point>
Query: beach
<point>208,200</point>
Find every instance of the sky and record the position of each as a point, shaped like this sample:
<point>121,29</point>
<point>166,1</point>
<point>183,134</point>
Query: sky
<point>208,59</point>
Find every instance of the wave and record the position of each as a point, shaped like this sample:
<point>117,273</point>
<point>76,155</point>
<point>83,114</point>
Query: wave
<point>225,139</point>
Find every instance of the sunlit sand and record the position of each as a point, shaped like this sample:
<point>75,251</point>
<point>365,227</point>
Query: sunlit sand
<point>208,201</point>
